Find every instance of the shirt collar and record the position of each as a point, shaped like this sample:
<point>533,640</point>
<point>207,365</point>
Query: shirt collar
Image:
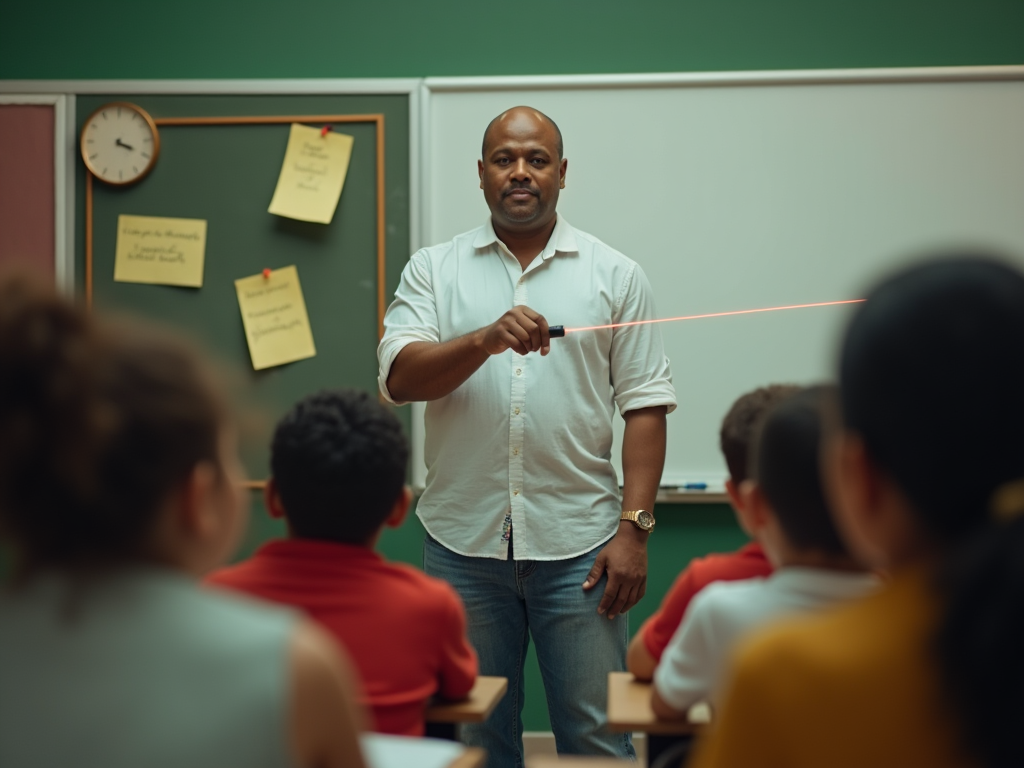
<point>822,581</point>
<point>316,549</point>
<point>562,240</point>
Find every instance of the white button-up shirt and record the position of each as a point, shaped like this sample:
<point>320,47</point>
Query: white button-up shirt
<point>526,441</point>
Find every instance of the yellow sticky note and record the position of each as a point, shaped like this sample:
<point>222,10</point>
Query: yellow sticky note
<point>152,249</point>
<point>312,175</point>
<point>275,319</point>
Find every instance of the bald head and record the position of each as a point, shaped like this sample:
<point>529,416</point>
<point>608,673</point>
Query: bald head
<point>518,115</point>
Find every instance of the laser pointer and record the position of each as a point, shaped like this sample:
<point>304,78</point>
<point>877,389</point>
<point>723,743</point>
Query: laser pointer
<point>558,331</point>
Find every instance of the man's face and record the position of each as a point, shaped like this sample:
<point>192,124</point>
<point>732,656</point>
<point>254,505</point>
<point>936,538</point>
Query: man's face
<point>521,172</point>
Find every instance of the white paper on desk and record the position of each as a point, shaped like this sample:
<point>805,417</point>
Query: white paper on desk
<point>382,751</point>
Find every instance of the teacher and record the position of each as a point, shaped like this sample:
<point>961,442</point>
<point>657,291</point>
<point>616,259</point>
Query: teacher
<point>522,504</point>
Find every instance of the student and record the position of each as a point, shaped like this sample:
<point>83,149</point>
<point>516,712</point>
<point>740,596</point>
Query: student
<point>927,471</point>
<point>119,485</point>
<point>735,436</point>
<point>339,461</point>
<point>788,514</point>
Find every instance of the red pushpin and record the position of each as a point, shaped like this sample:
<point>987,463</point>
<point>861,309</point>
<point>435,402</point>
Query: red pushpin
<point>266,273</point>
<point>324,130</point>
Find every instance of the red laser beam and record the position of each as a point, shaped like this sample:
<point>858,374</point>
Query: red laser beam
<point>714,314</point>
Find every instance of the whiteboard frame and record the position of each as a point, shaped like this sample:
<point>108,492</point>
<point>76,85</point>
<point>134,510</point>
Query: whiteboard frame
<point>437,85</point>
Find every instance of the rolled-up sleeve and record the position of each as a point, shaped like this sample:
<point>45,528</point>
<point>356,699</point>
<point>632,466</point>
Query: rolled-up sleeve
<point>411,317</point>
<point>640,371</point>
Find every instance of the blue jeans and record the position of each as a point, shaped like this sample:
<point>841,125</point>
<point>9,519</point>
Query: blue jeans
<point>506,602</point>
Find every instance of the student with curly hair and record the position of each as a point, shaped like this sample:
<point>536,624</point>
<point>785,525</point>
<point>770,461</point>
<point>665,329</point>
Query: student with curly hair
<point>339,460</point>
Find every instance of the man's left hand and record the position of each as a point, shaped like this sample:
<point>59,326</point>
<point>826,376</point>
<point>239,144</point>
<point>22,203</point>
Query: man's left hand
<point>625,560</point>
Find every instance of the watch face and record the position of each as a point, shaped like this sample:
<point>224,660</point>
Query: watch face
<point>646,519</point>
<point>120,143</point>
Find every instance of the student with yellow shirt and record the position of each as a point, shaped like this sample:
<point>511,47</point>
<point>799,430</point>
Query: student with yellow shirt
<point>927,473</point>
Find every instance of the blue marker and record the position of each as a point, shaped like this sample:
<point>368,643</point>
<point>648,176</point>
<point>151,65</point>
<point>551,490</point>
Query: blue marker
<point>695,486</point>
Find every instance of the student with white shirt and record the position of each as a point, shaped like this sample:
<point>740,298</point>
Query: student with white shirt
<point>522,505</point>
<point>787,511</point>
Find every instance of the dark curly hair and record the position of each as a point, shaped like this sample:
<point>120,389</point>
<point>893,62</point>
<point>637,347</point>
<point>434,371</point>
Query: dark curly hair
<point>339,461</point>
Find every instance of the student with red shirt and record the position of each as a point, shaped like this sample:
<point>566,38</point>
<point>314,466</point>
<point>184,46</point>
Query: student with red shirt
<point>747,562</point>
<point>339,461</point>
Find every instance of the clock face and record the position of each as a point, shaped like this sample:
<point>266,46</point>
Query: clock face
<point>646,519</point>
<point>120,143</point>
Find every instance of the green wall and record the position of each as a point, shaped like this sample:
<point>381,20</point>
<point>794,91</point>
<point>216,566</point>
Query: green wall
<point>403,38</point>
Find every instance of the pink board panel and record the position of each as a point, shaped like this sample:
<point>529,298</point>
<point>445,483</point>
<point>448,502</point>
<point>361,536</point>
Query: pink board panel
<point>26,186</point>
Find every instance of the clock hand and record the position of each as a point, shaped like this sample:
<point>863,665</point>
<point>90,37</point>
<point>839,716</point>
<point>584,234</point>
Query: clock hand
<point>120,143</point>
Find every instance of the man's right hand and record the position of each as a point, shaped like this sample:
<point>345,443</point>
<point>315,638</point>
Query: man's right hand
<point>520,329</point>
<point>426,370</point>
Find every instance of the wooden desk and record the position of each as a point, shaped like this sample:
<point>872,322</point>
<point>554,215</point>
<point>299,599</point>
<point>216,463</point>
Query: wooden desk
<point>473,757</point>
<point>443,718</point>
<point>629,709</point>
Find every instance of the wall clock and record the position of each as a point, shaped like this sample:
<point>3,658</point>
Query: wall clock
<point>120,143</point>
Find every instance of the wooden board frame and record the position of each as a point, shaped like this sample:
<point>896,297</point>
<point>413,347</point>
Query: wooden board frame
<point>377,119</point>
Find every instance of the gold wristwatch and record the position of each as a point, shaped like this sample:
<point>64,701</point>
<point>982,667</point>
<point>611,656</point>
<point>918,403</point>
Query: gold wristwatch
<point>641,518</point>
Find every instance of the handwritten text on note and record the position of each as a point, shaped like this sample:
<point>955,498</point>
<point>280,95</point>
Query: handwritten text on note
<point>274,317</point>
<point>152,249</point>
<point>312,175</point>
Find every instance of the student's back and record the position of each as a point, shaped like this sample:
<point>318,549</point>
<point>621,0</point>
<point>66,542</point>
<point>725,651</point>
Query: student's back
<point>339,461</point>
<point>789,516</point>
<point>735,437</point>
<point>404,630</point>
<point>141,669</point>
<point>854,688</point>
<point>119,485</point>
<point>927,469</point>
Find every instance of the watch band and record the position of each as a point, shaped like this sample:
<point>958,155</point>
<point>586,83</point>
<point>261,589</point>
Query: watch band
<point>641,518</point>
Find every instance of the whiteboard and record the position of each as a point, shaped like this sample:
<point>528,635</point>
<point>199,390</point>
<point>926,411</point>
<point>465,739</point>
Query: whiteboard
<point>748,191</point>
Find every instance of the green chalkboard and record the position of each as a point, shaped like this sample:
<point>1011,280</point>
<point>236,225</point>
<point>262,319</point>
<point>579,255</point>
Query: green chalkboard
<point>226,174</point>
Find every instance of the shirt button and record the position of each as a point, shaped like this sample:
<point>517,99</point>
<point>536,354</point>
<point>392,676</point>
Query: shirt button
<point>515,493</point>
<point>515,451</point>
<point>519,371</point>
<point>516,411</point>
